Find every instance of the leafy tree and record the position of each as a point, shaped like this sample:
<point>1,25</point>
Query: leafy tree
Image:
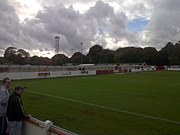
<point>23,53</point>
<point>34,60</point>
<point>150,55</point>
<point>16,56</point>
<point>60,59</point>
<point>107,56</point>
<point>47,61</point>
<point>76,58</point>
<point>95,53</point>
<point>173,60</point>
<point>2,60</point>
<point>168,55</point>
<point>164,54</point>
<point>118,56</point>
<point>177,52</point>
<point>10,53</point>
<point>129,55</point>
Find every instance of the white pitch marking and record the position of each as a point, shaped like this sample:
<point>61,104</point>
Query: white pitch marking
<point>176,84</point>
<point>109,108</point>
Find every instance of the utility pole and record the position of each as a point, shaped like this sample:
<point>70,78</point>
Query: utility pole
<point>81,52</point>
<point>72,55</point>
<point>57,44</point>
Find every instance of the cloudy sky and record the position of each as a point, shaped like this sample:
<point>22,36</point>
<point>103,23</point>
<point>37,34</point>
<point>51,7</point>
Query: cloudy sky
<point>33,24</point>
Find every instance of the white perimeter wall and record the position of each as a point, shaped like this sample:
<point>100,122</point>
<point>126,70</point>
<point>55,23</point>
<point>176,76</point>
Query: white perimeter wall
<point>33,75</point>
<point>174,69</point>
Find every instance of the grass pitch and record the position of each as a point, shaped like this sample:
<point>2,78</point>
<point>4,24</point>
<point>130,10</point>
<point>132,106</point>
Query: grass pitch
<point>146,103</point>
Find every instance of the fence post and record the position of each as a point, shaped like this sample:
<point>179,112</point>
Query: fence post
<point>47,125</point>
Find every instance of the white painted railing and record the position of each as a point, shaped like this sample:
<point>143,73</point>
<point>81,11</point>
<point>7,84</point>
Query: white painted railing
<point>37,127</point>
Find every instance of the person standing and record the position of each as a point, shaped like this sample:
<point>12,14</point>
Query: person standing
<point>15,111</point>
<point>4,96</point>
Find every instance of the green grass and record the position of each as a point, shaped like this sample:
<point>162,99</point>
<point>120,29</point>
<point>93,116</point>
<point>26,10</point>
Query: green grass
<point>149,93</point>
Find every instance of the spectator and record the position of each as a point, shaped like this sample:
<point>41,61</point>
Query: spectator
<point>15,111</point>
<point>4,96</point>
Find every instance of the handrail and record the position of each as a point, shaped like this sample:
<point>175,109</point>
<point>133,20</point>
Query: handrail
<point>56,131</point>
<point>34,122</point>
<point>52,128</point>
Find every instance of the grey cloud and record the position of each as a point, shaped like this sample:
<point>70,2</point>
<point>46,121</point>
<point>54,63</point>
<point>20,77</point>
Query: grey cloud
<point>139,11</point>
<point>76,27</point>
<point>164,25</point>
<point>109,22</point>
<point>100,11</point>
<point>35,29</point>
<point>59,20</point>
<point>9,25</point>
<point>70,25</point>
<point>90,27</point>
<point>100,14</point>
<point>67,2</point>
<point>73,27</point>
<point>135,10</point>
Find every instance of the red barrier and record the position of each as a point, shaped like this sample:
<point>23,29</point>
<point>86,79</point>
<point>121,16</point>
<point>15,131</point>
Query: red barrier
<point>100,72</point>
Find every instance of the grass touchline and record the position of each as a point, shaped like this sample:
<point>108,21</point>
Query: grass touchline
<point>109,108</point>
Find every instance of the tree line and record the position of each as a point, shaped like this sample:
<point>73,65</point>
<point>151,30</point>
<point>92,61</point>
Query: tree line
<point>168,55</point>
